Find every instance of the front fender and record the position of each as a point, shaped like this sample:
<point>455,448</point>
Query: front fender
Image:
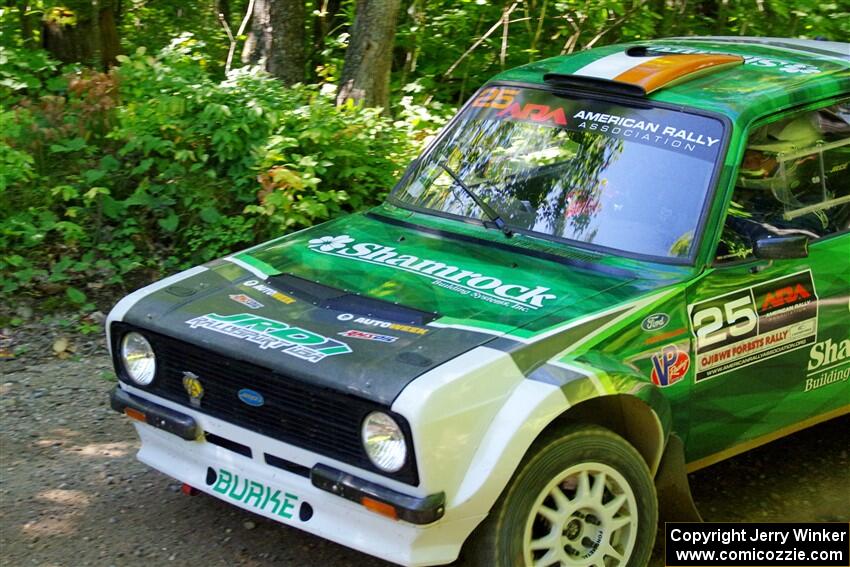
<point>473,428</point>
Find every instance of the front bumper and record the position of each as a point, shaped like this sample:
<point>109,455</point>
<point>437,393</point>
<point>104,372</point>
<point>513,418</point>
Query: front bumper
<point>161,417</point>
<point>293,488</point>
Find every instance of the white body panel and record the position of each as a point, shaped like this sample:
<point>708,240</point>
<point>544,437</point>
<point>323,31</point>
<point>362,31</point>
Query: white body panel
<point>472,421</point>
<point>334,518</point>
<point>121,308</point>
<point>472,469</point>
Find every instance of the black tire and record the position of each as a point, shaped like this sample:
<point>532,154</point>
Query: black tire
<point>499,540</point>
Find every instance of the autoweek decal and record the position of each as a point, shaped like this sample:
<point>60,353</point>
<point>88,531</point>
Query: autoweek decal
<point>369,322</point>
<point>753,324</point>
<point>453,278</point>
<point>271,334</point>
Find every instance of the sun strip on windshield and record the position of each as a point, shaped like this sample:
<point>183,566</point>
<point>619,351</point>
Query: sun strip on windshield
<point>656,127</point>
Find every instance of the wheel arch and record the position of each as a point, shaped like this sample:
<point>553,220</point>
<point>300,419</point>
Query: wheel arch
<point>552,398</point>
<point>626,415</point>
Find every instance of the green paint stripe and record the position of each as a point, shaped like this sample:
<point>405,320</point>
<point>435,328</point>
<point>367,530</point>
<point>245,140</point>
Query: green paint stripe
<point>523,333</point>
<point>485,326</point>
<point>267,269</point>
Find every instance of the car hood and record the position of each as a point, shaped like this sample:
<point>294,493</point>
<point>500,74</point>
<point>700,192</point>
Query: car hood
<point>496,283</point>
<point>365,305</point>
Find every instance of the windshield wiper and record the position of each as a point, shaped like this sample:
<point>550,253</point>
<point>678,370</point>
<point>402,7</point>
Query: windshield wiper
<point>491,213</point>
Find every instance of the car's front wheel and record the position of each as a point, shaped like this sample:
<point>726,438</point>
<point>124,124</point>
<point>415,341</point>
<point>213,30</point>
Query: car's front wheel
<point>583,496</point>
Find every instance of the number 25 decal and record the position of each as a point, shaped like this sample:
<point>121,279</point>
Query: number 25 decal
<point>721,321</point>
<point>495,97</point>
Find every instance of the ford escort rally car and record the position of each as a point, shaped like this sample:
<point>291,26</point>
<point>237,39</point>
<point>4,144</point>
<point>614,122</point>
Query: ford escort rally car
<point>610,269</point>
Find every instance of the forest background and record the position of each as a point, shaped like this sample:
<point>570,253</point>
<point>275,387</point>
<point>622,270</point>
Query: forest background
<point>138,137</point>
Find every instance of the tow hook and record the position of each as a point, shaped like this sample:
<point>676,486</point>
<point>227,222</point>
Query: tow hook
<point>189,490</point>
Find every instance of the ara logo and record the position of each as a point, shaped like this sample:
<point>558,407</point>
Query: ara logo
<point>535,113</point>
<point>454,278</point>
<point>251,397</point>
<point>669,366</point>
<point>785,296</point>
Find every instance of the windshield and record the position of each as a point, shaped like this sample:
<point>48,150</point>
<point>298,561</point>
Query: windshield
<point>632,179</point>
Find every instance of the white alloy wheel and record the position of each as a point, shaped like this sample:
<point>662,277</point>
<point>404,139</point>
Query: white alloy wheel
<point>581,497</point>
<point>586,516</point>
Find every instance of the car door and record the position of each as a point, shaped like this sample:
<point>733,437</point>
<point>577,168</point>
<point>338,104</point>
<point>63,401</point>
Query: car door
<point>772,337</point>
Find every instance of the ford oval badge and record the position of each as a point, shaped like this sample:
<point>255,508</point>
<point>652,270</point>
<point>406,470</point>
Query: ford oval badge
<point>251,397</point>
<point>655,322</point>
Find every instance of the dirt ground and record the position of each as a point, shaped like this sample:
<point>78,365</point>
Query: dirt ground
<point>72,493</point>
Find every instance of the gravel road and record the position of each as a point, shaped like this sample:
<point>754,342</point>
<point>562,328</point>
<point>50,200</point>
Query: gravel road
<point>72,493</point>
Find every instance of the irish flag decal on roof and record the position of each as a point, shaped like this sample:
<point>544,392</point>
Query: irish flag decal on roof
<point>648,71</point>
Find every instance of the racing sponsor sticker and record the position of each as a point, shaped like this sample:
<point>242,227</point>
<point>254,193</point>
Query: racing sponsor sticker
<point>783,65</point>
<point>248,302</point>
<point>271,334</point>
<point>829,363</point>
<point>192,385</point>
<point>367,336</point>
<point>453,278</point>
<point>369,322</point>
<point>255,494</point>
<point>655,322</point>
<point>665,336</point>
<point>669,130</point>
<point>669,366</point>
<point>251,397</point>
<point>269,291</point>
<point>753,324</point>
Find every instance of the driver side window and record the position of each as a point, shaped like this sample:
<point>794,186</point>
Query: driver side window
<point>794,179</point>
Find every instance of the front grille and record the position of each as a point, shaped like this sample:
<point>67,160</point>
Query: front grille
<point>317,419</point>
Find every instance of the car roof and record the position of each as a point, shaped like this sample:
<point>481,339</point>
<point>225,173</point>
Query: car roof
<point>776,73</point>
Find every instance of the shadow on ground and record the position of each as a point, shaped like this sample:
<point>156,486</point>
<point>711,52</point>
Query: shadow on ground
<point>72,493</point>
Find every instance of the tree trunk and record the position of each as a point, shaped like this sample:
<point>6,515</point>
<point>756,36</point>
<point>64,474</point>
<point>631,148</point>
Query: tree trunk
<point>68,43</point>
<point>26,24</point>
<point>110,45</point>
<point>276,40</point>
<point>327,19</point>
<point>288,52</point>
<point>223,7</point>
<point>91,40</point>
<point>368,59</point>
<point>259,37</point>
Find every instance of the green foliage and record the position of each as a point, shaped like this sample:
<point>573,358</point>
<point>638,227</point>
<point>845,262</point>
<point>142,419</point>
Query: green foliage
<point>24,70</point>
<point>157,166</point>
<point>110,180</point>
<point>154,23</point>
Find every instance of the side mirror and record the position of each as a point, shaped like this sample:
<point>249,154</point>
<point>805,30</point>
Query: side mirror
<point>784,247</point>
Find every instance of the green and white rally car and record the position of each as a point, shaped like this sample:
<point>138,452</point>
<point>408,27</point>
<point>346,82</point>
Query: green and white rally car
<point>610,269</point>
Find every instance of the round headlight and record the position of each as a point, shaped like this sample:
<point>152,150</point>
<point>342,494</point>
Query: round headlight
<point>138,358</point>
<point>384,442</point>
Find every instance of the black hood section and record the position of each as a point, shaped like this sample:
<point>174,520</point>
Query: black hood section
<point>326,297</point>
<point>376,347</point>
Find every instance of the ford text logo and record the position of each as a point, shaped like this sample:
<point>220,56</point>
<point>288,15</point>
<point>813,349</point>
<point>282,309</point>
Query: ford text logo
<point>251,397</point>
<point>655,321</point>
